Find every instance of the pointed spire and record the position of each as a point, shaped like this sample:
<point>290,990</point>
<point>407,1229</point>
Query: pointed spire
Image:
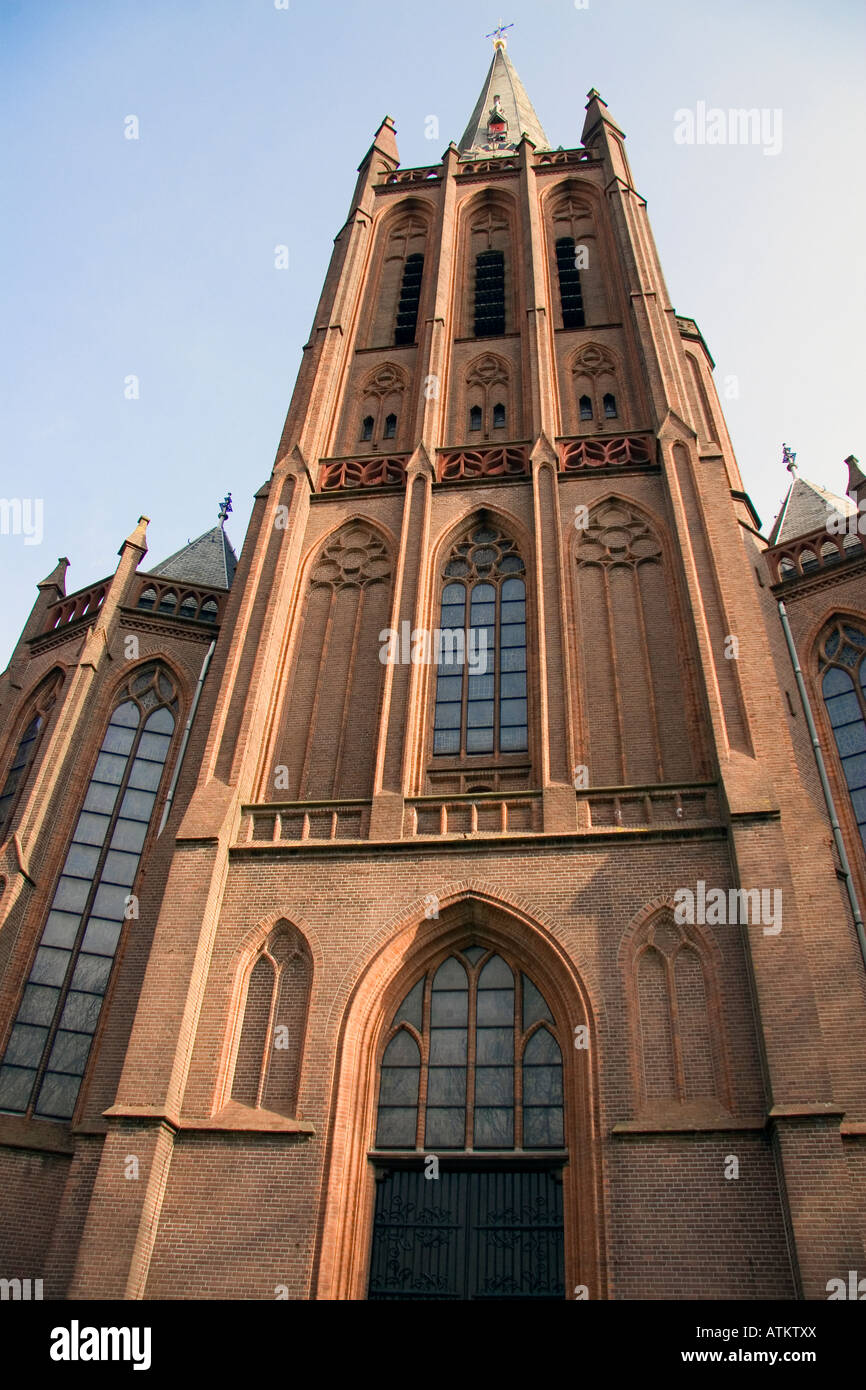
<point>385,143</point>
<point>504,113</point>
<point>138,538</point>
<point>57,578</point>
<point>856,480</point>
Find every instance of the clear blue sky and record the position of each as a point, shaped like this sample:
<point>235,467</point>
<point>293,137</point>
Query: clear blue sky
<point>155,257</point>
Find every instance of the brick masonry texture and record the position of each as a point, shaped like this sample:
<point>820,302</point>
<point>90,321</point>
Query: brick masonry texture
<point>313,822</point>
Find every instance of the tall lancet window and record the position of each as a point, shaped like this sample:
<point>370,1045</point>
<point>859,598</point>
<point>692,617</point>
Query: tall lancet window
<point>26,749</point>
<point>570,292</point>
<point>842,659</point>
<point>490,294</point>
<point>472,1062</point>
<point>481,684</point>
<point>47,1051</point>
<point>410,298</point>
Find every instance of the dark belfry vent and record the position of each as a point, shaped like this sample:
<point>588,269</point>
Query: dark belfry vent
<point>570,294</point>
<point>410,296</point>
<point>490,294</point>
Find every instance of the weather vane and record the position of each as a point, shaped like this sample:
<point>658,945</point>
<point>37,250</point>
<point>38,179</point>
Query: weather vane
<point>789,458</point>
<point>498,34</point>
<point>225,507</point>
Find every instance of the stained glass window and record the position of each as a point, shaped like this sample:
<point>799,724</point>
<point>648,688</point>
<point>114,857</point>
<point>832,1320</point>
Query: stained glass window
<point>47,1050</point>
<point>570,292</point>
<point>26,749</point>
<point>843,685</point>
<point>489,294</point>
<point>481,696</point>
<point>410,297</point>
<point>472,1062</point>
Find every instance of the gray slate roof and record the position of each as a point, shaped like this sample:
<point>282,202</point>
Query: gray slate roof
<point>805,508</point>
<point>502,81</point>
<point>209,562</point>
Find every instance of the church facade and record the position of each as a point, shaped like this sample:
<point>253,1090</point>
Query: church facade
<point>445,901</point>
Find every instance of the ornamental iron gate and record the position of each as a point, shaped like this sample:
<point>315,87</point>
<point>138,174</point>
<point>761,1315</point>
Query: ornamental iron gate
<point>468,1234</point>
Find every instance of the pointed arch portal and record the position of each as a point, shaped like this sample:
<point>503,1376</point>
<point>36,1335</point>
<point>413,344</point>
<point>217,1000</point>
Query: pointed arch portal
<point>464,1161</point>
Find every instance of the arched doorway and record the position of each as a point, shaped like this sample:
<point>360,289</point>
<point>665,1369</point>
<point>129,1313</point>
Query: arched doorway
<point>484,1179</point>
<point>470,1137</point>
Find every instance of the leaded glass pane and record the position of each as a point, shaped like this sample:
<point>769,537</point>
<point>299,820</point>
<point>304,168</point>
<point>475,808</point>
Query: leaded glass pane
<point>534,1007</point>
<point>38,1005</point>
<point>101,796</point>
<point>402,1051</point>
<point>81,1012</point>
<point>49,967</point>
<point>412,1006</point>
<point>69,1053</point>
<point>57,1096</point>
<point>447,1046</point>
<point>396,1128</point>
<point>542,1129</point>
<point>399,1086</point>
<point>445,1128</point>
<point>91,829</point>
<point>101,937</point>
<point>446,1086</point>
<point>16,1084</point>
<point>145,775</point>
<point>61,929</point>
<point>495,1045</point>
<point>25,1045</point>
<point>71,894</point>
<point>91,973</point>
<point>494,1129</point>
<point>494,1086</point>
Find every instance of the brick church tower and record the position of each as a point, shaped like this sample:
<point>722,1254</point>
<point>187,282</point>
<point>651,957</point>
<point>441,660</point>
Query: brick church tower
<point>430,981</point>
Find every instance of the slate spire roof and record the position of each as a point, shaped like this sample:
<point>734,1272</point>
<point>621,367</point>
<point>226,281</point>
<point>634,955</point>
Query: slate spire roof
<point>805,508</point>
<point>503,100</point>
<point>208,562</point>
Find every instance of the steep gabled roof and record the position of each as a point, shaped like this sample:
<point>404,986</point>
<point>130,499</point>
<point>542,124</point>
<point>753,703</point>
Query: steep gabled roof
<point>805,508</point>
<point>209,562</point>
<point>514,107</point>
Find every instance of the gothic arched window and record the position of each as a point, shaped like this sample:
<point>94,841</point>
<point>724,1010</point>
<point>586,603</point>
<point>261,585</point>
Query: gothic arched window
<point>570,293</point>
<point>585,408</point>
<point>326,738</point>
<point>481,685</point>
<point>609,403</point>
<point>675,996</point>
<point>489,294</point>
<point>489,395</point>
<point>381,398</point>
<point>47,1050</point>
<point>472,1062</point>
<point>391,311</point>
<point>637,730</point>
<point>410,298</point>
<point>842,659</point>
<point>270,1048</point>
<point>27,747</point>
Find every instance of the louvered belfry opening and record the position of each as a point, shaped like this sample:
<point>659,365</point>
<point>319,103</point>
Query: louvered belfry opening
<point>570,293</point>
<point>410,298</point>
<point>490,294</point>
